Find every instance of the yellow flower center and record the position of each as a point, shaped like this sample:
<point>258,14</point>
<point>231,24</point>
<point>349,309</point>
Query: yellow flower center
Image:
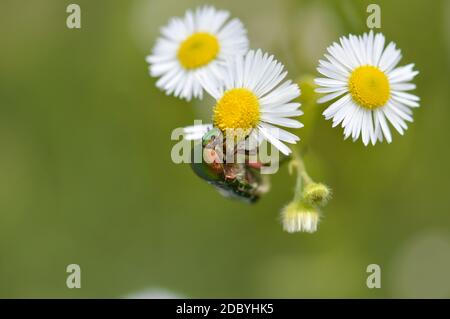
<point>237,109</point>
<point>198,50</point>
<point>369,87</point>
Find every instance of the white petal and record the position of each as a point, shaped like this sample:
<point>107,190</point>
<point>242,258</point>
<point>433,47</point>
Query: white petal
<point>330,89</point>
<point>281,121</point>
<point>275,142</point>
<point>366,126</point>
<point>343,112</point>
<point>402,74</point>
<point>331,74</point>
<point>281,134</point>
<point>378,47</point>
<point>333,108</point>
<point>403,115</point>
<point>405,101</point>
<point>275,108</point>
<point>407,96</point>
<point>383,124</point>
<point>390,58</point>
<point>329,82</point>
<point>403,87</point>
<point>395,120</point>
<point>331,96</point>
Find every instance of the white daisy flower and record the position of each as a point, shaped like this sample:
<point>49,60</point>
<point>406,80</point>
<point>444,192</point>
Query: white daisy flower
<point>252,99</point>
<point>371,88</point>
<point>200,42</point>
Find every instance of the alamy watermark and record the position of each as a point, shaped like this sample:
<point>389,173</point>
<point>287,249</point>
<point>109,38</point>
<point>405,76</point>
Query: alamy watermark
<point>374,19</point>
<point>73,20</point>
<point>374,279</point>
<point>74,278</point>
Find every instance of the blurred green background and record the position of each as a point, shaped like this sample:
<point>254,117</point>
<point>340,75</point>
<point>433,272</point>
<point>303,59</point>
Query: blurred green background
<point>86,175</point>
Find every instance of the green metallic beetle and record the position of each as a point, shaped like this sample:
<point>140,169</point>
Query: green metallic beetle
<point>236,180</point>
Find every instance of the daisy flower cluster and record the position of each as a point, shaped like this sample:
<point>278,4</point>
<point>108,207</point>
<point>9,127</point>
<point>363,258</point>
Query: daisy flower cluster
<point>203,52</point>
<point>207,51</point>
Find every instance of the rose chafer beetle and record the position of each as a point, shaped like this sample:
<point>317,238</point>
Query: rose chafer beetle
<point>231,178</point>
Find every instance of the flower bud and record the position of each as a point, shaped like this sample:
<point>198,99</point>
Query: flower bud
<point>316,194</point>
<point>299,217</point>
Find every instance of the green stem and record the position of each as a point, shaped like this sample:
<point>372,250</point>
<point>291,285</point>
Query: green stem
<point>298,186</point>
<point>302,174</point>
